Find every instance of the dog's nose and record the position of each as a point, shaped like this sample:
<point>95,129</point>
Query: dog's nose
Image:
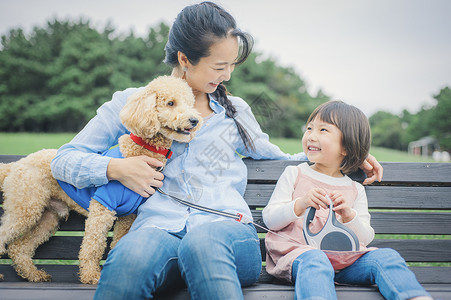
<point>194,121</point>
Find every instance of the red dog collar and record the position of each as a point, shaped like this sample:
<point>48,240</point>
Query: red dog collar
<point>166,152</point>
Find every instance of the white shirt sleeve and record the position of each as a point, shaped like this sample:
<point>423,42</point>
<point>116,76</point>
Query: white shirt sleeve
<point>361,222</point>
<point>279,212</point>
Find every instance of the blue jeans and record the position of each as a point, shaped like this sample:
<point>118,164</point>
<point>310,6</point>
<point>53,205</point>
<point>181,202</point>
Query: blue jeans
<point>214,260</point>
<point>314,276</point>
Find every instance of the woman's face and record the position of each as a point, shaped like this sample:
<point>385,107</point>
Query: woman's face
<point>210,71</point>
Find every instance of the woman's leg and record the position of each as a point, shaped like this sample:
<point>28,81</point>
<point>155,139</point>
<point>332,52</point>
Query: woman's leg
<point>216,259</point>
<point>141,262</point>
<point>386,268</point>
<point>313,276</point>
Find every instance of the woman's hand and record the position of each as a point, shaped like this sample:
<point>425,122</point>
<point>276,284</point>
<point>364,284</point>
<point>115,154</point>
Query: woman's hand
<point>372,169</point>
<point>315,198</point>
<point>137,173</point>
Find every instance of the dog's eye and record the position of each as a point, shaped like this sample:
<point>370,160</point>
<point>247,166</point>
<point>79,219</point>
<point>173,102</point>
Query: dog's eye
<point>171,103</point>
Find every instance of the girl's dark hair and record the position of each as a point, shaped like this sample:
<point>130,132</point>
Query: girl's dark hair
<point>194,30</point>
<point>355,129</point>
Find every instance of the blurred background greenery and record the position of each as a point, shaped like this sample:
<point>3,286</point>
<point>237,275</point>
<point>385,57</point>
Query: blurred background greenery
<point>26,143</point>
<point>53,79</point>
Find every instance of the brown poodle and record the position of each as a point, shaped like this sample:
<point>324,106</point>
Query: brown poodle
<point>34,202</point>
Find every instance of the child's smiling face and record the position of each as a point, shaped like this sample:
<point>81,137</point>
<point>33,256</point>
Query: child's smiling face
<point>322,143</point>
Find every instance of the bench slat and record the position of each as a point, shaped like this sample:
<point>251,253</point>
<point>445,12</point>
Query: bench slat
<point>60,273</point>
<point>410,250</point>
<point>411,223</point>
<point>69,274</point>
<point>75,222</point>
<point>419,250</point>
<point>412,197</point>
<point>390,222</point>
<point>61,248</point>
<point>387,197</point>
<point>393,171</point>
<point>439,173</point>
<point>57,291</point>
<point>5,159</point>
<point>433,223</point>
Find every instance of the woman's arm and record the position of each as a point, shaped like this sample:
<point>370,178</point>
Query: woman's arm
<point>80,162</point>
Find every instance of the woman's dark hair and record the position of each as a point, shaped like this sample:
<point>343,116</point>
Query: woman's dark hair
<point>194,30</point>
<point>355,129</point>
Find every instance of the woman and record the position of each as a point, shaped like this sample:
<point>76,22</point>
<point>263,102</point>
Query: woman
<point>170,244</point>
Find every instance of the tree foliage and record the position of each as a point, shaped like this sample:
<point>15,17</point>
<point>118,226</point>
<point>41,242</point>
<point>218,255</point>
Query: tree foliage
<point>441,121</point>
<point>277,95</point>
<point>55,78</point>
<point>386,130</point>
<point>392,131</point>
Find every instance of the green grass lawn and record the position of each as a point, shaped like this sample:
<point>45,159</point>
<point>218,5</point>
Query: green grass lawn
<point>26,143</point>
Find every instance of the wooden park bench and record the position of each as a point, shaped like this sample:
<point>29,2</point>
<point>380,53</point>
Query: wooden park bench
<point>411,212</point>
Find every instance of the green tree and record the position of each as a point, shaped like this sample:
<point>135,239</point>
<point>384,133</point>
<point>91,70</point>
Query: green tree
<point>441,125</point>
<point>417,125</point>
<point>55,78</point>
<point>386,130</point>
<point>277,95</point>
<point>138,60</point>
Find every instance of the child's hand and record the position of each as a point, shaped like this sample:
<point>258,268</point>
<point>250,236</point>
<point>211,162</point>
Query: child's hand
<point>315,198</point>
<point>342,207</point>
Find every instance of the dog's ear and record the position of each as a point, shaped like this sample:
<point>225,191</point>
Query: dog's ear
<point>139,114</point>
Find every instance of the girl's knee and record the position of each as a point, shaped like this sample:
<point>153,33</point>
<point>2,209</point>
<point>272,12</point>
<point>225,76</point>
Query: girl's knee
<point>386,256</point>
<point>316,256</point>
<point>312,262</point>
<point>314,259</point>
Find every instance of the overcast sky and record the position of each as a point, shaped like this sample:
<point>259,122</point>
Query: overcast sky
<point>378,55</point>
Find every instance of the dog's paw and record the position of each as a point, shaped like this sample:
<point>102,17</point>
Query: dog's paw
<point>39,276</point>
<point>92,278</point>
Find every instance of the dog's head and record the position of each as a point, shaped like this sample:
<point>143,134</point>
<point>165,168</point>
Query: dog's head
<point>165,105</point>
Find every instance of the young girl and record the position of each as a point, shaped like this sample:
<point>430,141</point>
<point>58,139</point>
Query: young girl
<point>170,244</point>
<point>337,141</point>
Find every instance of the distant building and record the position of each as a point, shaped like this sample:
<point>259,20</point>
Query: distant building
<point>423,147</point>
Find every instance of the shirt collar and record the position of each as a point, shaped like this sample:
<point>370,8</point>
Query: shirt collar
<point>215,106</point>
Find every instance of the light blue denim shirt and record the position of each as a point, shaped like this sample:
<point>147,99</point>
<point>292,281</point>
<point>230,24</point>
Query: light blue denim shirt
<point>207,171</point>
